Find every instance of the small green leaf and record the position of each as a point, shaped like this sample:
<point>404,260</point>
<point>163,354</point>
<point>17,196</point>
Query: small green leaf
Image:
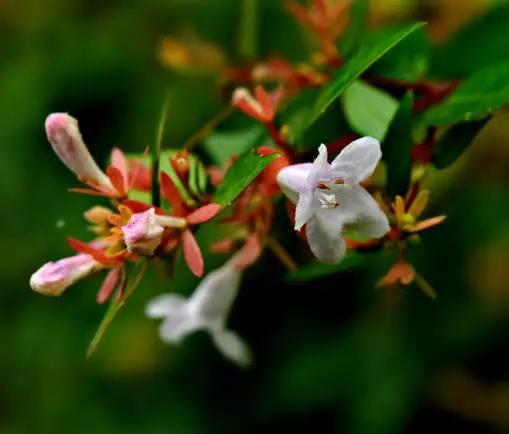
<point>396,149</point>
<point>316,269</point>
<point>484,40</point>
<point>368,110</point>
<point>474,99</point>
<point>455,141</point>
<point>368,54</point>
<point>238,177</point>
<point>408,61</point>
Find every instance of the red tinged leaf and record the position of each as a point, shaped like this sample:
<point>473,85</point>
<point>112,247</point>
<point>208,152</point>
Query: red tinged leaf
<point>119,162</point>
<point>117,179</point>
<point>203,214</point>
<point>91,192</point>
<point>97,254</point>
<point>108,285</point>
<point>192,253</point>
<point>171,194</point>
<point>265,100</point>
<point>249,253</point>
<point>136,206</point>
<point>140,177</point>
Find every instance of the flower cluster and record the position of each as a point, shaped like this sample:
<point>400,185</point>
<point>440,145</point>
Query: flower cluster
<point>337,207</point>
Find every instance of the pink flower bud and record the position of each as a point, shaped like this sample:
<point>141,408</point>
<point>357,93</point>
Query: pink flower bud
<point>65,138</point>
<point>143,233</point>
<point>54,278</point>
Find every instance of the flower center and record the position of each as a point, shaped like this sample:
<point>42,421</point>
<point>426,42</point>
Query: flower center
<point>328,201</point>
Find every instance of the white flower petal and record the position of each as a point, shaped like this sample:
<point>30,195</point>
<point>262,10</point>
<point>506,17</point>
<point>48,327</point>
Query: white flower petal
<point>214,296</point>
<point>358,160</point>
<point>304,209</point>
<point>320,168</point>
<point>232,347</point>
<point>324,238</point>
<point>164,305</point>
<point>292,180</point>
<point>371,222</point>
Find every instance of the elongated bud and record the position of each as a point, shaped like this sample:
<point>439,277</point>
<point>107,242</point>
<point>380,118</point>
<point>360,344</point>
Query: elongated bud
<point>143,233</point>
<point>65,138</point>
<point>54,278</point>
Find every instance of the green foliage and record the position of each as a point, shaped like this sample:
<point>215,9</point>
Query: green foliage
<point>368,53</point>
<point>474,99</point>
<point>455,141</point>
<point>407,61</point>
<point>221,145</point>
<point>357,22</point>
<point>238,177</point>
<point>315,270</point>
<point>479,43</point>
<point>396,149</point>
<point>326,129</point>
<point>369,110</point>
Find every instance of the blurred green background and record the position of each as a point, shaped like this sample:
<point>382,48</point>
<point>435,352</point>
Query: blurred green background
<point>333,356</point>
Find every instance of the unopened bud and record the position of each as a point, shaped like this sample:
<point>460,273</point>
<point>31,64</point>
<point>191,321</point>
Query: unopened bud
<point>65,138</point>
<point>54,278</point>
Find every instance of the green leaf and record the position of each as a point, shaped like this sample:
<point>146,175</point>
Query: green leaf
<point>474,99</point>
<point>397,147</point>
<point>484,39</point>
<point>408,61</point>
<point>116,304</point>
<point>316,269</point>
<point>368,110</point>
<point>325,130</point>
<point>455,141</point>
<point>238,177</point>
<point>358,14</point>
<point>368,54</point>
<point>221,145</point>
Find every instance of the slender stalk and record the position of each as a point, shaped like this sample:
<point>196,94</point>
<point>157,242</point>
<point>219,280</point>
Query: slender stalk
<point>116,305</point>
<point>156,153</point>
<point>210,126</point>
<point>281,253</point>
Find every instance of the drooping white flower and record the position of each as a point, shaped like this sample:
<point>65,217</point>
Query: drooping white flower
<point>206,309</point>
<point>328,197</point>
<point>53,278</point>
<point>209,306</point>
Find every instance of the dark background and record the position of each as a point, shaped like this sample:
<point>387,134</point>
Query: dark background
<point>336,355</point>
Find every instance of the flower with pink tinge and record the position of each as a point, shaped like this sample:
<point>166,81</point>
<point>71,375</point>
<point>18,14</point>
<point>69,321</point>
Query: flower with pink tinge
<point>65,138</point>
<point>144,231</point>
<point>54,278</point>
<point>328,197</point>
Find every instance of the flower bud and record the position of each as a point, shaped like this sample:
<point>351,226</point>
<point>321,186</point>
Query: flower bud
<point>143,233</point>
<point>54,278</point>
<point>65,138</point>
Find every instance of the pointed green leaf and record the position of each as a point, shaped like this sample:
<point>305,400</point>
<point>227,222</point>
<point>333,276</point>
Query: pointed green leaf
<point>368,54</point>
<point>474,99</point>
<point>396,149</point>
<point>455,141</point>
<point>238,177</point>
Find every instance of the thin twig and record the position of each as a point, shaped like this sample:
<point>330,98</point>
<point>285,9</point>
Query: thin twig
<point>281,253</point>
<point>210,126</point>
<point>156,199</point>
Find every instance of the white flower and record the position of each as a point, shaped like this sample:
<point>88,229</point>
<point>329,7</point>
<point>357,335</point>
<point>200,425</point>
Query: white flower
<point>206,309</point>
<point>328,196</point>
